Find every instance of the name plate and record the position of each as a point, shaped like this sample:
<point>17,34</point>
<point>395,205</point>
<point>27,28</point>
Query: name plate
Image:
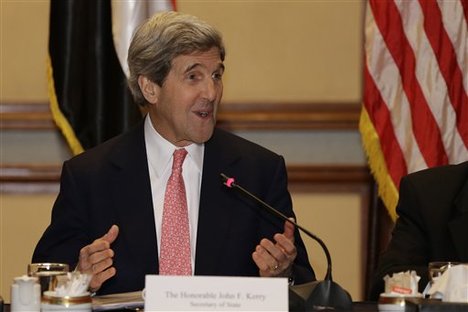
<point>215,293</point>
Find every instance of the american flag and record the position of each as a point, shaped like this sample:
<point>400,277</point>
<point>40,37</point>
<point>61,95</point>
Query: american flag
<point>415,110</point>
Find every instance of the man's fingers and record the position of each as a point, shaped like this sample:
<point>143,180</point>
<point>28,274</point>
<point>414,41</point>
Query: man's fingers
<point>285,244</point>
<point>88,262</point>
<point>96,258</point>
<point>99,278</point>
<point>101,266</point>
<point>95,252</point>
<point>101,243</point>
<point>265,262</point>
<point>100,257</point>
<point>112,234</point>
<point>289,229</point>
<point>274,250</point>
<point>275,259</point>
<point>98,250</point>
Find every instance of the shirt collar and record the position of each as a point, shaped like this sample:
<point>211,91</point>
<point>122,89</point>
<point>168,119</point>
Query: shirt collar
<point>160,151</point>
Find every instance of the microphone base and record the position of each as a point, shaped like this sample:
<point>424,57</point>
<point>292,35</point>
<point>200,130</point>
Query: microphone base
<point>319,295</point>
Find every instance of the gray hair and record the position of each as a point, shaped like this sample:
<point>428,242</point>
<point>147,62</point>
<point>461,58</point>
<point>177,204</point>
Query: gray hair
<point>160,39</point>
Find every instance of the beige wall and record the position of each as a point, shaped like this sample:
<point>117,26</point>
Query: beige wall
<point>24,29</point>
<point>278,51</point>
<point>23,218</point>
<point>336,219</point>
<point>287,50</point>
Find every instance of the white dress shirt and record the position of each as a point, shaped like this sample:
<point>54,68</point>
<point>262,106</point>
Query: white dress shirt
<point>159,153</point>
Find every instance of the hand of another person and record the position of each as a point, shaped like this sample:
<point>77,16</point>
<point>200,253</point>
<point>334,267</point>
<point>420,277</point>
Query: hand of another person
<point>96,259</point>
<point>276,259</point>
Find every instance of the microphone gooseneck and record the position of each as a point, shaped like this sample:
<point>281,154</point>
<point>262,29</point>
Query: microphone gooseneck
<point>311,296</point>
<point>230,183</point>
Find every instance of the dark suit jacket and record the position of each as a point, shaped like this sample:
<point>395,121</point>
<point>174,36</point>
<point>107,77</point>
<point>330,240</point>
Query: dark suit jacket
<point>110,185</point>
<point>432,224</point>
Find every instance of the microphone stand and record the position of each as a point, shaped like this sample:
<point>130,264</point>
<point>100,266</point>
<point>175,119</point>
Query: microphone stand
<point>316,295</point>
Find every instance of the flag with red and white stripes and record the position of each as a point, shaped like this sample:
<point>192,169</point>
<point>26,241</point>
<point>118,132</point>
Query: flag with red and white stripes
<point>415,110</point>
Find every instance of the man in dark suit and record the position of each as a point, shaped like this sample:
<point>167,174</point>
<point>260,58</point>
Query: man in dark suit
<point>432,224</point>
<point>107,218</point>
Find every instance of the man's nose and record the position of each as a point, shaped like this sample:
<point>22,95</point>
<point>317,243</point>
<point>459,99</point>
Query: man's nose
<point>210,90</point>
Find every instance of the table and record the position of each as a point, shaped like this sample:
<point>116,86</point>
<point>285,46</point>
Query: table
<point>357,307</point>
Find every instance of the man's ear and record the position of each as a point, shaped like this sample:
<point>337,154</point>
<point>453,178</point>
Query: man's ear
<point>149,89</point>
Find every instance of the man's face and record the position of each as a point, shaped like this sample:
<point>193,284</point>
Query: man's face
<point>187,103</point>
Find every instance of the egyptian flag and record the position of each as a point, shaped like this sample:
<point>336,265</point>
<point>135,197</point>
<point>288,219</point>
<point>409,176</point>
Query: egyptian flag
<point>88,41</point>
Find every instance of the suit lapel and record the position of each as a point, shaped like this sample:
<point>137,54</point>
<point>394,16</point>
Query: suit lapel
<point>215,208</point>
<point>458,226</point>
<point>133,200</point>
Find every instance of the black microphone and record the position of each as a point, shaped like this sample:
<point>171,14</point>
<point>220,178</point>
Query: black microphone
<point>317,294</point>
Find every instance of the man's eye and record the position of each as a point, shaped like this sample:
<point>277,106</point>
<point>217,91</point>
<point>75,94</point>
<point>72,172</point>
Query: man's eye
<point>217,76</point>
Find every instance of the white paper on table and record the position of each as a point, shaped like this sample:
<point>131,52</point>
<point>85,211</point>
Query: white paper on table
<point>215,293</point>
<point>128,300</point>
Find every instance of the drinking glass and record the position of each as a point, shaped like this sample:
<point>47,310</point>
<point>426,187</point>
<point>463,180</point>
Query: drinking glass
<point>48,274</point>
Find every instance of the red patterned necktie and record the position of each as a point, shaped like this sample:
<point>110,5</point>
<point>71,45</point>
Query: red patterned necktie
<point>175,258</point>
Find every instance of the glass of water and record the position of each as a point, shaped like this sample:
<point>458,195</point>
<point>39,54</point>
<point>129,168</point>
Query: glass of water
<point>48,274</point>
